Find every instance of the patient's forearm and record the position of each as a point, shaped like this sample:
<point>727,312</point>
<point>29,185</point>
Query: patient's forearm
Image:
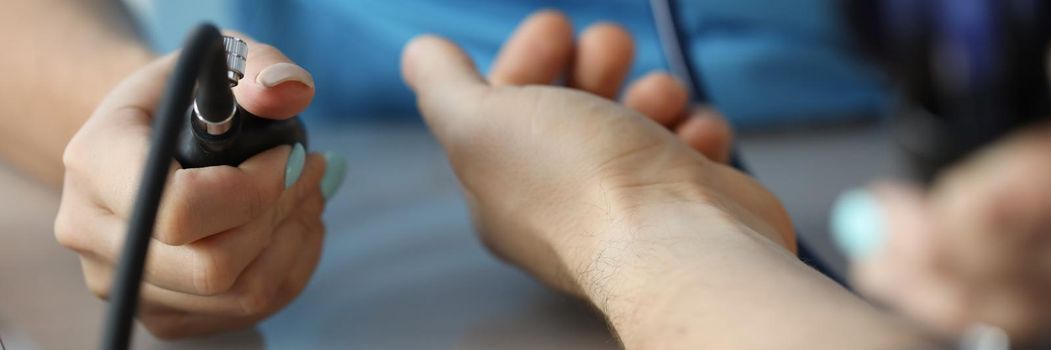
<point>683,276</point>
<point>60,57</point>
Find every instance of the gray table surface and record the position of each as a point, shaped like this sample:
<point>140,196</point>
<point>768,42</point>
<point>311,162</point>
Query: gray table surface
<point>401,268</point>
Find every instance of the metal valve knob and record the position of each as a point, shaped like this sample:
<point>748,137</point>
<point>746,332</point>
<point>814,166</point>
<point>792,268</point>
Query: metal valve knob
<point>236,56</point>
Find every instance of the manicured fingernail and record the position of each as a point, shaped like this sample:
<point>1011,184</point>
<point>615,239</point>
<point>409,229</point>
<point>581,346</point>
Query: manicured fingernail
<point>283,72</point>
<point>335,170</point>
<point>296,160</point>
<point>857,224</point>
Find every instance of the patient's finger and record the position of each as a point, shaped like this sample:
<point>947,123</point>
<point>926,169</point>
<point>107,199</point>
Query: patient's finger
<point>443,78</point>
<point>604,55</point>
<point>538,52</point>
<point>706,131</point>
<point>659,96</point>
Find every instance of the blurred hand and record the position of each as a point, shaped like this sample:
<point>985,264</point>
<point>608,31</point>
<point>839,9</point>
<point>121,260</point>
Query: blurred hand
<point>546,169</point>
<point>232,244</point>
<point>974,249</point>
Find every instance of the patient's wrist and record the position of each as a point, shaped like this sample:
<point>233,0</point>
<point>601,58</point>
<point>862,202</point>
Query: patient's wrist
<point>675,271</point>
<point>650,257</point>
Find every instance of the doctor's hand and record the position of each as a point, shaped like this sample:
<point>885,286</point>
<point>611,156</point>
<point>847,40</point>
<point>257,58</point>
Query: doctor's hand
<point>974,249</point>
<point>231,245</point>
<point>553,174</point>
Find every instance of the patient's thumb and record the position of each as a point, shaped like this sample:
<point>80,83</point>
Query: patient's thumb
<point>446,82</point>
<point>431,64</point>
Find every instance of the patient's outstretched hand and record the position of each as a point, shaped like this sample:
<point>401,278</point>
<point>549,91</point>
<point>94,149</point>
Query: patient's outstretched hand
<point>551,173</point>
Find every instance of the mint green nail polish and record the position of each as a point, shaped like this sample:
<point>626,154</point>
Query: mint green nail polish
<point>296,160</point>
<point>335,170</point>
<point>857,224</point>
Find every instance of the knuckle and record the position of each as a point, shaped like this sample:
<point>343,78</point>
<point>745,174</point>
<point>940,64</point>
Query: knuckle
<point>607,26</point>
<point>72,156</point>
<point>65,233</point>
<point>308,224</point>
<point>489,243</point>
<point>211,273</point>
<point>267,237</point>
<point>258,299</point>
<point>255,200</point>
<point>98,287</point>
<point>176,219</point>
<point>308,216</point>
<point>68,232</point>
<point>314,207</point>
<point>191,188</point>
<point>492,244</point>
<point>174,227</point>
<point>98,277</point>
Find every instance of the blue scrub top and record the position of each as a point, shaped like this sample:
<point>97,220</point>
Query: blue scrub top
<point>765,63</point>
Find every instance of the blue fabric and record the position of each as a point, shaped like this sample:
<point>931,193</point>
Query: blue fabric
<point>165,23</point>
<point>765,63</point>
<point>779,62</point>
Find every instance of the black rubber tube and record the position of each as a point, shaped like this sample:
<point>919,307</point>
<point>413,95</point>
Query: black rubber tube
<point>198,62</point>
<point>215,100</point>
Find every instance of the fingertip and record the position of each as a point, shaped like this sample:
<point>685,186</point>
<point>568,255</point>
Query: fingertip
<point>550,16</point>
<point>279,104</point>
<point>857,224</point>
<point>538,52</point>
<point>659,96</point>
<point>709,133</point>
<point>191,196</point>
<point>609,31</point>
<point>604,55</point>
<point>315,167</point>
<point>885,215</point>
<point>335,173</point>
<point>431,61</point>
<point>310,181</point>
<point>294,166</point>
<point>284,72</point>
<point>283,99</point>
<point>413,52</point>
<point>550,21</point>
<point>910,219</point>
<point>273,86</point>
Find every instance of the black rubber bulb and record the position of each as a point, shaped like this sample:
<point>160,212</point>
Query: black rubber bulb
<point>219,131</point>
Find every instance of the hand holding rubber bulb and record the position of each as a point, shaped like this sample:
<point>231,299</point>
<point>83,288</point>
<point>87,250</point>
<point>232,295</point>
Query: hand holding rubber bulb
<point>231,243</point>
